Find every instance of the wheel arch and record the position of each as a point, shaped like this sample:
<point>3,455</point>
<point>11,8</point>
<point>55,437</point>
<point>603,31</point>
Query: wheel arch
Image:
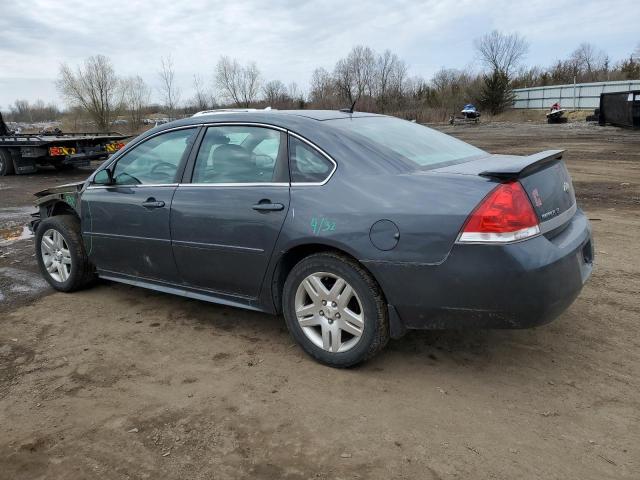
<point>51,207</point>
<point>295,254</point>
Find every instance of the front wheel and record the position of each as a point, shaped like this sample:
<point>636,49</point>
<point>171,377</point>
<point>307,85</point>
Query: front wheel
<point>335,310</point>
<point>61,255</point>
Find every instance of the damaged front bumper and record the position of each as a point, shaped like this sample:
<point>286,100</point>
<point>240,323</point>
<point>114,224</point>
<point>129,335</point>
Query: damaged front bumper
<point>33,224</point>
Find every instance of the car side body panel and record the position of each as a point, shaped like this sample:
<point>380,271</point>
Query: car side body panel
<point>400,222</point>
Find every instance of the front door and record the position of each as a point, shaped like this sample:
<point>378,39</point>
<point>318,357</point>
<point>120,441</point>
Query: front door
<point>126,223</point>
<point>226,220</point>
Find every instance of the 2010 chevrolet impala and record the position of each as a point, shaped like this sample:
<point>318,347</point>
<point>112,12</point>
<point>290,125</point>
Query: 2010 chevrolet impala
<point>355,226</point>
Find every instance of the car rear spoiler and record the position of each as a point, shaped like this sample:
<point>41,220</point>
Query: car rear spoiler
<point>516,167</point>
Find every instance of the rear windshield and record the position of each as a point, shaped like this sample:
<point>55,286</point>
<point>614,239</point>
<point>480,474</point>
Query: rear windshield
<point>417,144</point>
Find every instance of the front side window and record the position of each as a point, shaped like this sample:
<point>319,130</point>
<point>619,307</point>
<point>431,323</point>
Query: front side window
<point>307,164</point>
<point>154,161</point>
<point>238,154</point>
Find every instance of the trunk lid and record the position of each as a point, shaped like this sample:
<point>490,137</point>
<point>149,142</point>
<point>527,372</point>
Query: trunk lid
<point>551,192</point>
<point>543,175</point>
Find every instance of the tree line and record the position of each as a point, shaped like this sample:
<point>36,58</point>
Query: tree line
<point>38,111</point>
<point>375,81</point>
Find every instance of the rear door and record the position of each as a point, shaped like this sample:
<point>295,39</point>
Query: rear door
<point>226,217</point>
<point>126,225</point>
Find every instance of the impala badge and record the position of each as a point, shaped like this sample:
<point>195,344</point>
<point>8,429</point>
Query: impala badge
<point>536,198</point>
<point>566,187</point>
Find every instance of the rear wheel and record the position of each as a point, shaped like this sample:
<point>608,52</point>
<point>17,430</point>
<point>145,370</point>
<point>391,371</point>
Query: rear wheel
<point>6,163</point>
<point>335,310</point>
<point>61,255</point>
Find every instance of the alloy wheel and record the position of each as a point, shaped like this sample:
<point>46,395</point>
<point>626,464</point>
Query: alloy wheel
<point>56,255</point>
<point>329,312</point>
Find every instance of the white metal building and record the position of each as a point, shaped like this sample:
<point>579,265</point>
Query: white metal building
<point>581,96</point>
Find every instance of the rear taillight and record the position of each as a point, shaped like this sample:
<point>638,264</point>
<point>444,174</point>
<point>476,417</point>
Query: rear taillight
<point>505,215</point>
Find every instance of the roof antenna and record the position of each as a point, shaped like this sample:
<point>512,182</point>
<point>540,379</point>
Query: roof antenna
<point>349,110</point>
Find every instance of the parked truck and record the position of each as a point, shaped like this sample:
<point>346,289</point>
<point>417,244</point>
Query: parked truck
<point>22,153</point>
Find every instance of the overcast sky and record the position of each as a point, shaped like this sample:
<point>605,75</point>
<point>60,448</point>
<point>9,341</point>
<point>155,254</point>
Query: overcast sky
<point>287,38</point>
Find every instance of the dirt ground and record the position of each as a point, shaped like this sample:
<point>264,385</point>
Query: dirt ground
<point>116,382</point>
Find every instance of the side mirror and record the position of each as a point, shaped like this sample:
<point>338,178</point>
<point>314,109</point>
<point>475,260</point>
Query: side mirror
<point>103,177</point>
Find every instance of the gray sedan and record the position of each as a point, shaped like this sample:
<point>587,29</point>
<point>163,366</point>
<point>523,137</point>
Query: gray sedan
<point>355,226</point>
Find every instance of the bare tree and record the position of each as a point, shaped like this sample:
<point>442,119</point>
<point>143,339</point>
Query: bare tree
<point>451,89</point>
<point>390,72</point>
<point>293,91</point>
<point>563,71</point>
<point>355,74</point>
<point>589,60</point>
<point>275,93</point>
<point>502,52</point>
<point>227,79</point>
<point>322,89</point>
<point>203,99</point>
<point>95,87</point>
<point>137,94</point>
<point>295,95</point>
<point>238,84</point>
<point>344,81</point>
<point>168,88</point>
<point>250,84</point>
<point>390,76</point>
<point>23,111</point>
<point>527,76</point>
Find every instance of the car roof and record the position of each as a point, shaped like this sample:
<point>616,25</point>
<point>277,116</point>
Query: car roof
<point>310,124</point>
<point>280,115</point>
<point>326,114</point>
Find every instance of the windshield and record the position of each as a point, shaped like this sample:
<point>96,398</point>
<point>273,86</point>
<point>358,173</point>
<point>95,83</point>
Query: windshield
<point>418,144</point>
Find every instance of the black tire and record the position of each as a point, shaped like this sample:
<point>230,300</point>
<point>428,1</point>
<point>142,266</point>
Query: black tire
<point>6,163</point>
<point>82,272</point>
<point>375,333</point>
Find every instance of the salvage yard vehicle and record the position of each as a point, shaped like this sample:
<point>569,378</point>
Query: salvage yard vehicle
<point>355,226</point>
<point>22,153</point>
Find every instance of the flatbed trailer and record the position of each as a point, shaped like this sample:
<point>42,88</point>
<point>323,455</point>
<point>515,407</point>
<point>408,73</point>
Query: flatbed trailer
<point>22,153</point>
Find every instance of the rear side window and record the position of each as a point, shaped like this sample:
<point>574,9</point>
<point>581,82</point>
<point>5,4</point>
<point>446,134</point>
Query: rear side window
<point>418,144</point>
<point>239,154</point>
<point>307,164</point>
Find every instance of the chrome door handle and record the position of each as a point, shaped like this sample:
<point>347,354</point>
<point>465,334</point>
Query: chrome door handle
<point>152,203</point>
<point>268,207</point>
